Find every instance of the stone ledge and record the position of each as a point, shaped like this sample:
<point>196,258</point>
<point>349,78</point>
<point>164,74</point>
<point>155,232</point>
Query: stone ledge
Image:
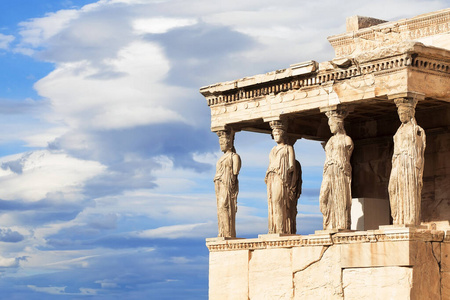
<point>384,234</point>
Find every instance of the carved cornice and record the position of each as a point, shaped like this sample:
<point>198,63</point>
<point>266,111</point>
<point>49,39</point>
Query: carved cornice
<point>390,33</point>
<point>372,236</point>
<point>410,55</point>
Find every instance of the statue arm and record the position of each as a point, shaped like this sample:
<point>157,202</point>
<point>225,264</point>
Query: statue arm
<point>291,159</point>
<point>349,145</point>
<point>236,164</point>
<point>421,150</point>
<point>394,154</point>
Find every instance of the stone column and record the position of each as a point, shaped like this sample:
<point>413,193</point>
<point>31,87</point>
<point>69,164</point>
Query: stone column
<point>283,179</point>
<point>406,180</point>
<point>335,193</point>
<point>226,184</point>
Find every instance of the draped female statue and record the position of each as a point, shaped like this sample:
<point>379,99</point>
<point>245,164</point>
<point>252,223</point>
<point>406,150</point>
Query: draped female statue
<point>283,179</point>
<point>226,185</point>
<point>335,193</point>
<point>405,182</point>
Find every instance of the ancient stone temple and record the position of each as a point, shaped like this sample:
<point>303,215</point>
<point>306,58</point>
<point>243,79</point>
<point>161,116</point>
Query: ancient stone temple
<point>381,107</point>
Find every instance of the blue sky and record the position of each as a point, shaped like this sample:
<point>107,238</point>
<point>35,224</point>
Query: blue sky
<point>106,154</point>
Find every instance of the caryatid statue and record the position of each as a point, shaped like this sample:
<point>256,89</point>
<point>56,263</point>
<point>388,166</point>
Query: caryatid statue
<point>226,184</point>
<point>405,182</point>
<point>283,179</point>
<point>335,193</point>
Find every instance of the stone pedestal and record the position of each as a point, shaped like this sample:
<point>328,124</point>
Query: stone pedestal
<point>389,263</point>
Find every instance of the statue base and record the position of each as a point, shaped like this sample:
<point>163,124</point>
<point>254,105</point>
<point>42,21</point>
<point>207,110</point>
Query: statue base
<point>408,262</point>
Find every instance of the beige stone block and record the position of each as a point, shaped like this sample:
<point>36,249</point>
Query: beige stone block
<point>379,254</point>
<point>355,23</point>
<point>445,257</point>
<point>437,251</point>
<point>321,279</point>
<point>369,213</point>
<point>270,275</point>
<point>445,285</point>
<point>228,275</point>
<point>304,67</point>
<point>426,277</point>
<point>385,283</point>
<point>441,41</point>
<point>303,257</point>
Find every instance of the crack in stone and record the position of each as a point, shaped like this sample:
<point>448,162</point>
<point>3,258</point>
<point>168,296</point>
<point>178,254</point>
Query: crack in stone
<point>438,261</point>
<point>325,248</point>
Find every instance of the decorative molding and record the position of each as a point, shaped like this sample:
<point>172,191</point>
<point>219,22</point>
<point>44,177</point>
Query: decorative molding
<point>414,56</point>
<point>372,236</point>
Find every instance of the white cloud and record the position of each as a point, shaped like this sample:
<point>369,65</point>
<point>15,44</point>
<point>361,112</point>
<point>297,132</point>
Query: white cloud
<point>37,175</point>
<point>24,50</point>
<point>61,290</point>
<point>177,231</point>
<point>57,260</point>
<point>180,259</point>
<point>5,40</point>
<point>37,31</point>
<point>66,264</point>
<point>9,262</point>
<point>160,25</point>
<point>134,2</point>
<point>107,284</point>
<point>81,98</point>
<point>44,136</point>
<point>173,208</point>
<point>52,290</point>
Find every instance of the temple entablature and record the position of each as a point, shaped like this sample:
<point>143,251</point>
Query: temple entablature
<point>366,80</point>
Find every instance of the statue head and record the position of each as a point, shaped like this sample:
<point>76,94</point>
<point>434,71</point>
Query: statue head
<point>405,114</point>
<point>279,135</point>
<point>336,125</point>
<point>336,120</point>
<point>226,139</point>
<point>406,108</point>
<point>279,132</point>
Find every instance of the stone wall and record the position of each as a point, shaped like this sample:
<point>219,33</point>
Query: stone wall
<point>436,185</point>
<point>391,263</point>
